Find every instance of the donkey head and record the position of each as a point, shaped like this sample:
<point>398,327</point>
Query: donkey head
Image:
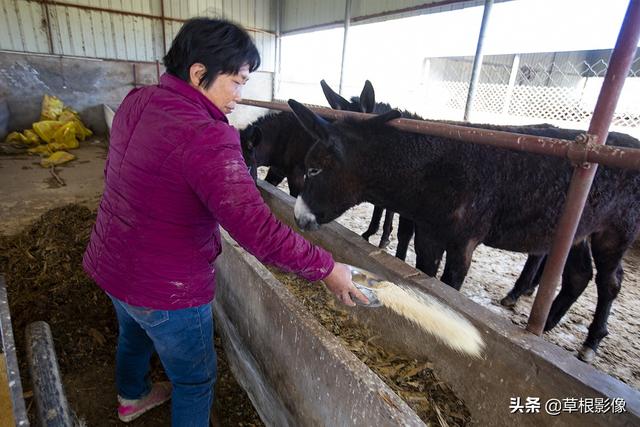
<point>250,138</point>
<point>332,182</point>
<point>364,104</point>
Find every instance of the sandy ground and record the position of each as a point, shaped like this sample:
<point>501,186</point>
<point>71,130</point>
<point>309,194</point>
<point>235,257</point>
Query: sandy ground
<point>493,273</point>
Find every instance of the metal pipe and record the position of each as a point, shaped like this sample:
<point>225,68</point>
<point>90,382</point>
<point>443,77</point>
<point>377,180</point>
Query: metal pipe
<point>576,152</point>
<point>513,76</point>
<point>582,179</point>
<point>8,346</point>
<point>164,35</point>
<point>48,23</point>
<point>347,22</point>
<point>126,13</point>
<point>276,69</point>
<point>477,60</point>
<point>52,407</point>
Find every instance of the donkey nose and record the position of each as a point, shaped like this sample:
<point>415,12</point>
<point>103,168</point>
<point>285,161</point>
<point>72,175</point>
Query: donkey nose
<point>304,218</point>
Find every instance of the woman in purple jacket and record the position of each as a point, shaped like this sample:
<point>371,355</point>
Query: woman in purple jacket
<point>173,176</point>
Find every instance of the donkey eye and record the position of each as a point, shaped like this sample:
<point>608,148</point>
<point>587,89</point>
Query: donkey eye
<point>313,171</point>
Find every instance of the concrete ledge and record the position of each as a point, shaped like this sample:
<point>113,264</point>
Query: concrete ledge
<point>516,363</point>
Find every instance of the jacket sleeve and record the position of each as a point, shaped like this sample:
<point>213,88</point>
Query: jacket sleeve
<point>217,173</point>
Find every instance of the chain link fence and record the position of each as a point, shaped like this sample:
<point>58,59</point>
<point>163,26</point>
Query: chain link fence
<point>558,88</point>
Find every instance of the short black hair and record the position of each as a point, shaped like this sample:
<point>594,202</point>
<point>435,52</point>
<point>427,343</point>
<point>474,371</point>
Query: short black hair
<point>221,46</point>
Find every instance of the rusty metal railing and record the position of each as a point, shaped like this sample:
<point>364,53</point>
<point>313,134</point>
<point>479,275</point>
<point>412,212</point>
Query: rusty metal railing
<point>578,151</point>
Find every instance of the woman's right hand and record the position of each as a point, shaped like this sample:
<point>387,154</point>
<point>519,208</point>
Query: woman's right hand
<point>340,284</point>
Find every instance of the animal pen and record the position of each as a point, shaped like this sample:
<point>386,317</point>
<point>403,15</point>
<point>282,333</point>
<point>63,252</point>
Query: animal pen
<point>294,360</point>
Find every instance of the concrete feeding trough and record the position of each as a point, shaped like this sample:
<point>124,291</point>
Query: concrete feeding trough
<point>298,373</point>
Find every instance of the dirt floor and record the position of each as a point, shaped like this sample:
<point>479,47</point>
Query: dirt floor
<point>493,273</point>
<point>45,281</point>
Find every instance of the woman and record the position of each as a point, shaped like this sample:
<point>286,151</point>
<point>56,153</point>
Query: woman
<point>174,174</point>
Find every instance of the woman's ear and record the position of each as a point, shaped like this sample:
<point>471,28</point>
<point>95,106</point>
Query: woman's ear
<point>196,73</point>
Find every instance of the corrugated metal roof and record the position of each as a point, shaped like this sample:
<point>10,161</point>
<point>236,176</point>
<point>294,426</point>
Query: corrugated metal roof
<point>301,15</point>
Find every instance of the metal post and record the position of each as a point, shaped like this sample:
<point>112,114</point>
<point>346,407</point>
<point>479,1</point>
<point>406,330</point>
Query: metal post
<point>477,60</point>
<point>515,66</point>
<point>48,23</point>
<point>347,22</point>
<point>276,69</point>
<point>164,35</point>
<point>620,64</point>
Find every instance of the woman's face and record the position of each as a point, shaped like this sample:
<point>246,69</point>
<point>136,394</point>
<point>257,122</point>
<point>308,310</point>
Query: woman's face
<point>226,89</point>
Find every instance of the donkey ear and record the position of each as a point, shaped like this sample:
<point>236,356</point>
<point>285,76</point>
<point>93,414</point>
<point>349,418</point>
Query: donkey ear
<point>315,125</point>
<point>367,98</point>
<point>336,101</point>
<point>384,117</point>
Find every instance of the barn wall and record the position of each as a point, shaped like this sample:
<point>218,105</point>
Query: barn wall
<point>124,29</point>
<point>86,84</point>
<point>92,56</point>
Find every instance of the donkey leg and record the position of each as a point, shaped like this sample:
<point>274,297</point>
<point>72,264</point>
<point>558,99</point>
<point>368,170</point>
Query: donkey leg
<point>458,263</point>
<point>274,176</point>
<point>608,249</point>
<point>387,227</point>
<point>405,233</point>
<point>576,275</point>
<point>526,281</point>
<point>428,253</point>
<point>536,279</point>
<point>374,224</point>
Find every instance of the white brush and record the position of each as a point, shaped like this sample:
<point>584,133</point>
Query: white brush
<point>424,311</point>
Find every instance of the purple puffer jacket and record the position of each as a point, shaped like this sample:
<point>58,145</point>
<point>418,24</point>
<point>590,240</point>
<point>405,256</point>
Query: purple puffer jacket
<point>174,173</point>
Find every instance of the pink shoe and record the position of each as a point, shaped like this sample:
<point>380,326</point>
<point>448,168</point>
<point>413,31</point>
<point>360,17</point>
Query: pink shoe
<point>130,409</point>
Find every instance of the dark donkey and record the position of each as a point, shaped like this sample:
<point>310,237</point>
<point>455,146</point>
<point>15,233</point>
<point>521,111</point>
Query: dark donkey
<point>465,194</point>
<point>405,225</point>
<point>428,253</point>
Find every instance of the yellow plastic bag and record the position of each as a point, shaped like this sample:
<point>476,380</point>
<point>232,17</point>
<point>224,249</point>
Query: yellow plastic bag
<point>46,129</point>
<point>32,137</point>
<point>57,158</point>
<point>40,149</point>
<point>67,115</point>
<point>64,137</point>
<point>28,137</point>
<point>51,108</point>
<point>82,132</point>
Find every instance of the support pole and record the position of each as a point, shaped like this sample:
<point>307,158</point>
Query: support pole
<point>347,23</point>
<point>477,60</point>
<point>515,66</point>
<point>276,68</point>
<point>164,35</point>
<point>582,179</point>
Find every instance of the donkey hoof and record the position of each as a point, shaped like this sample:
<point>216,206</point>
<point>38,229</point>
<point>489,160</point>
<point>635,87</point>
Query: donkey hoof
<point>508,301</point>
<point>366,237</point>
<point>586,354</point>
<point>383,244</point>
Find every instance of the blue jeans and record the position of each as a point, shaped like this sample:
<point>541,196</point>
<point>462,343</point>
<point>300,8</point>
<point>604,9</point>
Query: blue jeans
<point>184,342</point>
